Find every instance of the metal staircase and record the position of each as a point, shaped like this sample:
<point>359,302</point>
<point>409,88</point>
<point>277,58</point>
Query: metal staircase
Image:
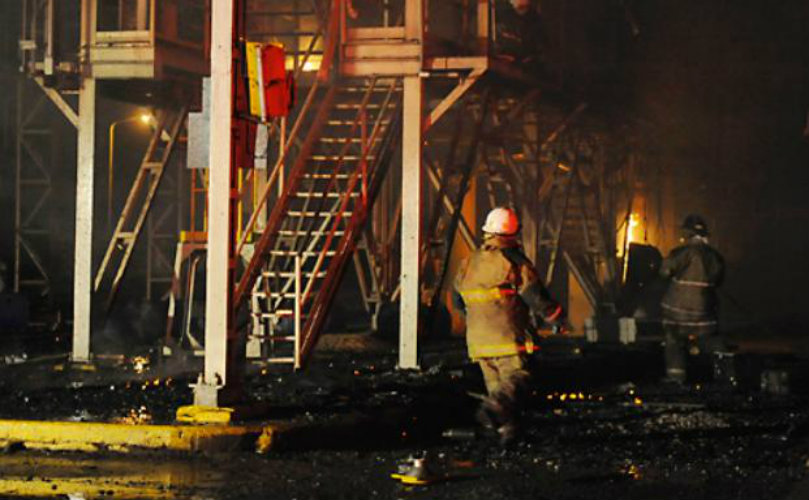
<point>574,226</point>
<point>316,223</point>
<point>139,202</point>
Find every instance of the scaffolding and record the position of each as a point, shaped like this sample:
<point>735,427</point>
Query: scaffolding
<point>404,133</point>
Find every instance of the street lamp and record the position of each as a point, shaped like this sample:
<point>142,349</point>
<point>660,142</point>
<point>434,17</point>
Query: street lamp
<point>146,119</point>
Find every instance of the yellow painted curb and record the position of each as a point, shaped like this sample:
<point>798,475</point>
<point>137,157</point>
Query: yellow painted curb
<point>197,414</point>
<point>82,488</point>
<point>95,436</point>
<point>104,478</point>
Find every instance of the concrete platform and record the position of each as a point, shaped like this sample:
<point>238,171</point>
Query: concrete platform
<point>96,436</point>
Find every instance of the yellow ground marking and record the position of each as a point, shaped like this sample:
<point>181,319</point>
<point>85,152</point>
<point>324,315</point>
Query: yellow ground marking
<point>38,476</point>
<point>94,436</point>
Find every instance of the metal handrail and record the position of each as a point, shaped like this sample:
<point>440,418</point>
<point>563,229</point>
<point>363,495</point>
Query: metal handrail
<point>337,211</point>
<point>353,179</point>
<point>297,310</point>
<point>262,201</point>
<point>291,137</point>
<point>268,237</point>
<point>340,160</point>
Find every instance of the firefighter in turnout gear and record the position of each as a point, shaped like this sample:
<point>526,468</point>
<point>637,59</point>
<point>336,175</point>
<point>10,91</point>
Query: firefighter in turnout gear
<point>694,270</point>
<point>499,290</point>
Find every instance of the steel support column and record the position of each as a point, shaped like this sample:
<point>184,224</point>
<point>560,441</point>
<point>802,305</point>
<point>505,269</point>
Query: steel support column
<point>219,287</point>
<point>83,258</point>
<point>411,221</point>
<point>412,141</point>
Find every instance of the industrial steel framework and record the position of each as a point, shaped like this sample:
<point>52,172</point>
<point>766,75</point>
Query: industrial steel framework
<point>35,153</point>
<point>328,197</point>
<point>33,186</point>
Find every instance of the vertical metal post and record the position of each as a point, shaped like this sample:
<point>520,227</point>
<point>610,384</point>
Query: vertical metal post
<point>282,140</point>
<point>218,283</point>
<point>414,19</point>
<point>413,103</point>
<point>297,312</point>
<point>150,240</point>
<point>142,10</point>
<point>260,173</point>
<point>49,36</point>
<point>484,26</point>
<point>18,185</point>
<point>364,146</point>
<point>411,222</point>
<point>83,258</point>
<point>110,175</point>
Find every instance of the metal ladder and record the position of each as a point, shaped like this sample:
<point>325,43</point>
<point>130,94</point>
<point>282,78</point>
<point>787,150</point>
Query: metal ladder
<point>452,180</point>
<point>314,227</point>
<point>573,226</point>
<point>139,202</point>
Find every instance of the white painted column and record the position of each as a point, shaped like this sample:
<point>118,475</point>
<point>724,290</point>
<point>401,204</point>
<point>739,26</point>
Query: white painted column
<point>218,296</point>
<point>411,221</point>
<point>83,258</point>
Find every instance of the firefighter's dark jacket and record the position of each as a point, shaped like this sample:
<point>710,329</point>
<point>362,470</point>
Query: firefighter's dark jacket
<point>694,271</point>
<point>500,288</point>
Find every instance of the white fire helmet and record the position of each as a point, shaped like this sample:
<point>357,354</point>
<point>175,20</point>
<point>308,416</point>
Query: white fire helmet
<point>521,6</point>
<point>502,221</point>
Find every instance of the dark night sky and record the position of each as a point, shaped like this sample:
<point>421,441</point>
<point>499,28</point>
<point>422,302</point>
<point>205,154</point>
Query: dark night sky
<point>724,85</point>
<point>727,85</point>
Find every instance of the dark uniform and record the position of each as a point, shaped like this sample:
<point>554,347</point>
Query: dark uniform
<point>521,36</point>
<point>500,289</point>
<point>690,304</point>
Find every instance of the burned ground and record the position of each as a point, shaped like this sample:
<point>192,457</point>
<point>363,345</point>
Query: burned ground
<point>596,428</point>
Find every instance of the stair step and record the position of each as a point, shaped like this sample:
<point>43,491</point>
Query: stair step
<point>151,165</point>
<point>292,253</point>
<point>290,232</point>
<point>357,105</point>
<point>317,176</point>
<point>298,213</point>
<point>343,123</point>
<point>289,274</point>
<point>380,88</point>
<point>343,140</point>
<point>285,361</point>
<point>337,157</point>
<point>277,312</point>
<point>305,194</point>
<point>274,295</point>
<point>282,338</point>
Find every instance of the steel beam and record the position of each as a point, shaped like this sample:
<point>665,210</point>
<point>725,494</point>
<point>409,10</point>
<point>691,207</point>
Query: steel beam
<point>458,92</point>
<point>218,276</point>
<point>414,20</point>
<point>83,258</point>
<point>411,221</point>
<point>59,102</point>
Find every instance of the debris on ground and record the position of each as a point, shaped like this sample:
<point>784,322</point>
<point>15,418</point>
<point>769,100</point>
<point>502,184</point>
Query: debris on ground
<point>590,431</point>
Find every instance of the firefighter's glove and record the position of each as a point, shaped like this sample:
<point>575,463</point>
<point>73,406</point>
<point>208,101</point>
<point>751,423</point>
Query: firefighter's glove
<point>458,303</point>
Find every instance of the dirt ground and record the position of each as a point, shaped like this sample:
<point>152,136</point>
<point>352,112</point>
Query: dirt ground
<point>599,425</point>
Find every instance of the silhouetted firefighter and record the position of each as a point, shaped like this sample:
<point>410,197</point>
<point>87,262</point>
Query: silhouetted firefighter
<point>690,305</point>
<point>499,289</point>
<point>520,34</point>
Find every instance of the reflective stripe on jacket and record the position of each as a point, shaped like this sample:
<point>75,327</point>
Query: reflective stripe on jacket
<point>500,287</point>
<point>695,270</point>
